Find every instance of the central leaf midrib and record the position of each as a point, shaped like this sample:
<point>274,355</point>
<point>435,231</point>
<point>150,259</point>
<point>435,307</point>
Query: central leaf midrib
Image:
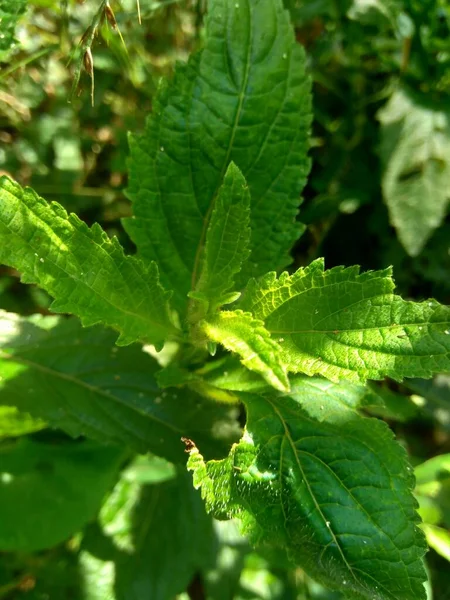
<point>305,479</point>
<point>237,116</point>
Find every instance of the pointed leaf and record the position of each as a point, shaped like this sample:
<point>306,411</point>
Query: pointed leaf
<point>86,272</point>
<point>77,380</point>
<point>343,324</point>
<point>227,238</point>
<point>245,98</point>
<point>415,149</point>
<point>336,492</point>
<point>239,332</point>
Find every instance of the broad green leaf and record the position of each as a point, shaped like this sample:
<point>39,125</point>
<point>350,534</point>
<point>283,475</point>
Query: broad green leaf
<point>67,482</point>
<point>176,542</point>
<point>345,325</point>
<point>159,536</point>
<point>245,98</point>
<point>415,149</point>
<point>10,13</point>
<point>86,272</point>
<point>14,423</point>
<point>222,580</point>
<point>227,238</point>
<point>77,380</point>
<point>335,492</point>
<point>239,332</point>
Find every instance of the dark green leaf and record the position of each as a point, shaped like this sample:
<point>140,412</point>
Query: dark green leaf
<point>245,98</point>
<point>67,482</point>
<point>76,379</point>
<point>334,490</point>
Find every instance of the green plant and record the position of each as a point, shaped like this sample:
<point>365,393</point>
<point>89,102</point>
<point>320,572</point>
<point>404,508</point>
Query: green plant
<point>215,182</point>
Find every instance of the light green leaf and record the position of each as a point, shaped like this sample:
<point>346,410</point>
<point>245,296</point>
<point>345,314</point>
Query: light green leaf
<point>433,471</point>
<point>86,272</point>
<point>375,12</point>
<point>15,423</point>
<point>433,485</point>
<point>77,380</point>
<point>415,150</point>
<point>245,98</point>
<point>227,238</point>
<point>335,492</point>
<point>67,482</point>
<point>438,539</point>
<point>239,332</point>
<point>345,325</point>
<point>98,577</point>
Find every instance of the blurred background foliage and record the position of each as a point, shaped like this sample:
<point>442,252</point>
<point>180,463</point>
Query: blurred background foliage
<point>378,194</point>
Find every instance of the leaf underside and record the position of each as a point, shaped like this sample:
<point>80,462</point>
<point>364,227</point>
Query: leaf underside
<point>244,98</point>
<point>239,332</point>
<point>334,491</point>
<point>343,324</point>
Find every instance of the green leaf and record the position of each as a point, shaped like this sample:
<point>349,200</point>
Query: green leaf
<point>239,332</point>
<point>415,150</point>
<point>438,539</point>
<point>176,542</point>
<point>432,472</point>
<point>342,324</point>
<point>67,482</point>
<point>334,491</point>
<point>86,272</point>
<point>245,98</point>
<point>77,380</point>
<point>10,13</point>
<point>387,404</point>
<point>15,423</point>
<point>227,238</point>
<point>160,536</point>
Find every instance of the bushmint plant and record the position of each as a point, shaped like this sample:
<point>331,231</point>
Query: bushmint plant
<point>215,182</point>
